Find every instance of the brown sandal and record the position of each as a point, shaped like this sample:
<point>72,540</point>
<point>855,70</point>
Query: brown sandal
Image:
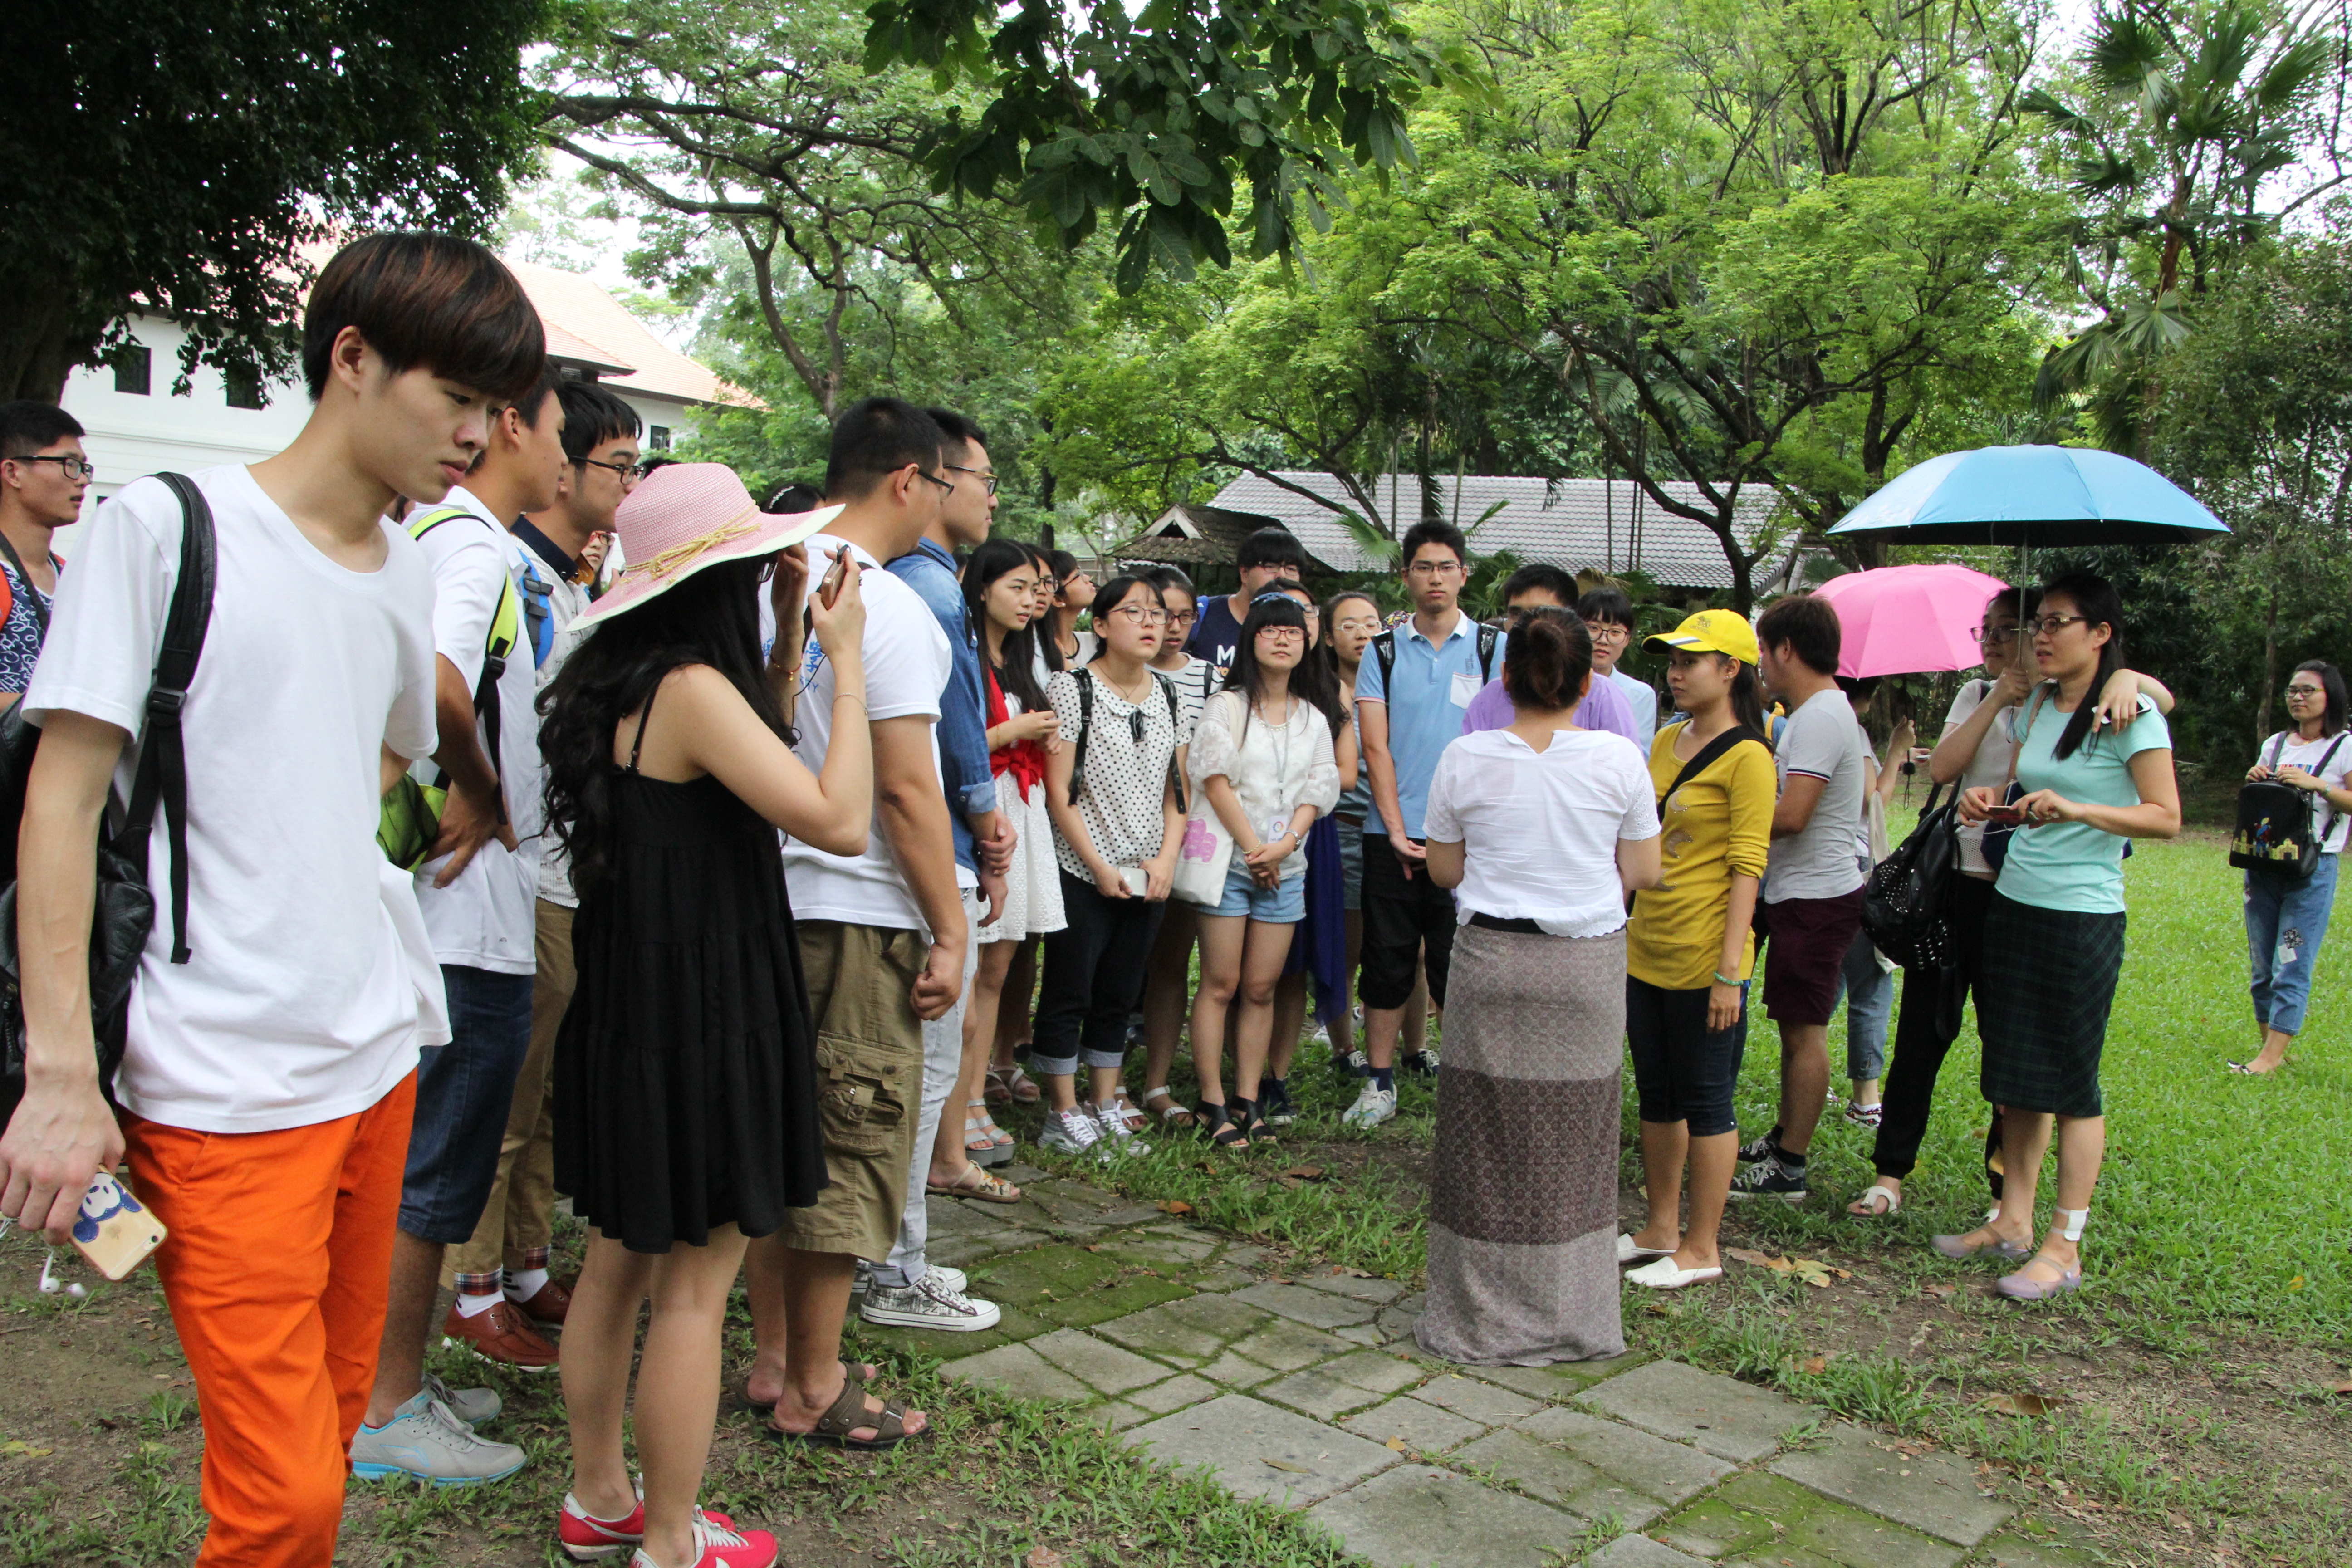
<point>975,1183</point>
<point>848,1414</point>
<point>854,1372</point>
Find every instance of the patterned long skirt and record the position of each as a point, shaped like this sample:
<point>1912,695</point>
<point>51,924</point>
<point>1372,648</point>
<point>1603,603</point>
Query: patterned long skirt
<point>1523,1200</point>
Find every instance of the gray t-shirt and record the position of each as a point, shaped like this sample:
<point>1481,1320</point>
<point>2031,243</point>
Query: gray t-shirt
<point>1821,740</point>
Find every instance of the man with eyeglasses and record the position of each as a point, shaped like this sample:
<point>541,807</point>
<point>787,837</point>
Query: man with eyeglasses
<point>1608,614</point>
<point>1268,557</point>
<point>1532,587</point>
<point>43,475</point>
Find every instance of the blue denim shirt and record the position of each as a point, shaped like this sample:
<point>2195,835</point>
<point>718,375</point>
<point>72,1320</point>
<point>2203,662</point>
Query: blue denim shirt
<point>963,706</point>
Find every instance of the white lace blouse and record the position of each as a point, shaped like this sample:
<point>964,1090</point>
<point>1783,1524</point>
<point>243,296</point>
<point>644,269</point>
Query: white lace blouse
<point>1273,768</point>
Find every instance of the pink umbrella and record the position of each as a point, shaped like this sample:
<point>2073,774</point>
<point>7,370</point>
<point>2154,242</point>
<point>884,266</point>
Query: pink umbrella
<point>1908,620</point>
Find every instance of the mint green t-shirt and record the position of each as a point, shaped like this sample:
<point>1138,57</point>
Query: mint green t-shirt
<point>2071,865</point>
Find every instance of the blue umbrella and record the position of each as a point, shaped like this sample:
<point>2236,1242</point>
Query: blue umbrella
<point>2031,495</point>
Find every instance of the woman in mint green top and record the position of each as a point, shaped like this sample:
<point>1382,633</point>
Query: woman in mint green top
<point>2054,934</point>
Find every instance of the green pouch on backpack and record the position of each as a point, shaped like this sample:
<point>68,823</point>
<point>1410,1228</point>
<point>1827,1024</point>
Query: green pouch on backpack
<point>410,822</point>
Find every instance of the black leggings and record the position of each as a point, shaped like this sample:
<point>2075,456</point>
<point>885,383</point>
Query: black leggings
<point>1924,1032</point>
<point>1682,1070</point>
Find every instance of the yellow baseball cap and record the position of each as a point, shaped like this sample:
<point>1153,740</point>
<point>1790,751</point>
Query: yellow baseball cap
<point>1715,631</point>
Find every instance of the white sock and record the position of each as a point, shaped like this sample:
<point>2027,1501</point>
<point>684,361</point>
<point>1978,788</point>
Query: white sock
<point>475,1306</point>
<point>522,1284</point>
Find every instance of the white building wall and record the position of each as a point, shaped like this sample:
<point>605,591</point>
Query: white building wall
<point>129,434</point>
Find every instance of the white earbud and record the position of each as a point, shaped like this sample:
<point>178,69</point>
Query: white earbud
<point>52,1284</point>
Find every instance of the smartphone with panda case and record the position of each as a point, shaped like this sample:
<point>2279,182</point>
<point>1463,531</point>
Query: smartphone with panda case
<point>114,1230</point>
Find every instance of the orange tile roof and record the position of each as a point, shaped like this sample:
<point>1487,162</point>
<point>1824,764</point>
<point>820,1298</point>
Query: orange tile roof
<point>578,314</point>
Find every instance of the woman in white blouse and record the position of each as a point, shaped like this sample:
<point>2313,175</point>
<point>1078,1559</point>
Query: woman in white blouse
<point>1263,760</point>
<point>1541,830</point>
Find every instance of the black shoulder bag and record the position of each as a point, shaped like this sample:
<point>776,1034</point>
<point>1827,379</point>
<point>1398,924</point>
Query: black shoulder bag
<point>124,911</point>
<point>2274,831</point>
<point>1907,904</point>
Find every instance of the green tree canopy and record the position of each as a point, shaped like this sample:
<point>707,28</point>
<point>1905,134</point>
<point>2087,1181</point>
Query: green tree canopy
<point>177,158</point>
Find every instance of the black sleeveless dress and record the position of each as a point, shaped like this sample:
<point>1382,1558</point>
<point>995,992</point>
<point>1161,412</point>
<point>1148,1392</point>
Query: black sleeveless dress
<point>684,1070</point>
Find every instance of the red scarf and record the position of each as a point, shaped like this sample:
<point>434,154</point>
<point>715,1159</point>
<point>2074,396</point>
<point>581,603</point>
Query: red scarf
<point>1025,760</point>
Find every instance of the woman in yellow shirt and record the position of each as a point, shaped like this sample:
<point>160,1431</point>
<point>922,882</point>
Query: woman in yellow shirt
<point>1689,949</point>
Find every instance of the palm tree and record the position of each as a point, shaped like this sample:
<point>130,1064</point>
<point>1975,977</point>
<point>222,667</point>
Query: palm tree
<point>2182,120</point>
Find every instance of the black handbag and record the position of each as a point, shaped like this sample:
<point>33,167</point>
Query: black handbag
<point>2274,828</point>
<point>1907,904</point>
<point>124,911</point>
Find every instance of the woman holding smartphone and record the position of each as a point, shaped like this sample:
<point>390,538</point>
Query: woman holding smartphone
<point>2053,942</point>
<point>1167,985</point>
<point>1263,759</point>
<point>1111,790</point>
<point>685,1093</point>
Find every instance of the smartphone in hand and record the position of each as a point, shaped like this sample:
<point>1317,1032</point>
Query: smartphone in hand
<point>2007,815</point>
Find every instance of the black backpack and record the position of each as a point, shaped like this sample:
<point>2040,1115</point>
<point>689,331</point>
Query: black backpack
<point>1907,904</point>
<point>2275,829</point>
<point>1384,651</point>
<point>125,906</point>
<point>1084,679</point>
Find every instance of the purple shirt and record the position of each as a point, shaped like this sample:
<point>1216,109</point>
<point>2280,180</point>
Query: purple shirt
<point>1603,708</point>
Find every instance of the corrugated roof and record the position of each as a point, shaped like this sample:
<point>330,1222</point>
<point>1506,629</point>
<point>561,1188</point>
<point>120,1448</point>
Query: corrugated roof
<point>573,307</point>
<point>1580,525</point>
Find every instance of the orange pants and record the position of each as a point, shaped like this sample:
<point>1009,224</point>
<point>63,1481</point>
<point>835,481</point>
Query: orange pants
<point>276,1268</point>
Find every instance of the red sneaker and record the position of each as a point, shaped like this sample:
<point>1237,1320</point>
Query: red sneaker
<point>586,1539</point>
<point>720,1545</point>
<point>547,1305</point>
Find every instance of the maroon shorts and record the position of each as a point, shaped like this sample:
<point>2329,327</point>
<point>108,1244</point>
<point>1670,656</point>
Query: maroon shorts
<point>1810,939</point>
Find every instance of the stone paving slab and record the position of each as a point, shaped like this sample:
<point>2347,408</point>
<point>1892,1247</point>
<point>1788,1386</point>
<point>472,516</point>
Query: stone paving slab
<point>1759,1520</point>
<point>1290,1347</point>
<point>1936,1493</point>
<point>1667,1472</point>
<point>1022,1372</point>
<point>1316,1309</point>
<point>1379,1292</point>
<point>1422,1428</point>
<point>1259,1451</point>
<point>1234,1372</point>
<point>1417,1517</point>
<point>1732,1419</point>
<point>2008,1550</point>
<point>1640,1551</point>
<point>1099,1364</point>
<point>1177,1393</point>
<point>1118,1299</point>
<point>1559,1477</point>
<point>1313,1393</point>
<point>1479,1401</point>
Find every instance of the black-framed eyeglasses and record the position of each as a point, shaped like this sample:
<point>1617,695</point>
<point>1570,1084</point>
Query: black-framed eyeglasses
<point>946,485</point>
<point>987,481</point>
<point>626,470</point>
<point>1992,636</point>
<point>2307,692</point>
<point>2050,625</point>
<point>72,464</point>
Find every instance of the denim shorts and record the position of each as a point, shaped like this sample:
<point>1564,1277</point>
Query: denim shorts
<point>1283,905</point>
<point>463,1091</point>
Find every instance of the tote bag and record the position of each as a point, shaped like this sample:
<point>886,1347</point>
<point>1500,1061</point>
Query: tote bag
<point>1207,853</point>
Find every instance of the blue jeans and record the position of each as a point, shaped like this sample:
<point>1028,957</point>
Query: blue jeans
<point>1285,903</point>
<point>1870,1003</point>
<point>463,1091</point>
<point>2286,918</point>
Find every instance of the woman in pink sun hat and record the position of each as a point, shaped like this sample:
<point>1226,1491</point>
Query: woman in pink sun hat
<point>685,1099</point>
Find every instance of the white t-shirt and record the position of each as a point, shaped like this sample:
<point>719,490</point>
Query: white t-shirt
<point>1195,683</point>
<point>486,919</point>
<point>300,1003</point>
<point>1989,769</point>
<point>908,663</point>
<point>1539,829</point>
<point>1120,796</point>
<point>1821,740</point>
<point>2328,823</point>
<point>1275,769</point>
<point>565,602</point>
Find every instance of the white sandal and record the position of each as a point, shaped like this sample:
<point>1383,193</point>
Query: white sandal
<point>1877,1189</point>
<point>1172,1116</point>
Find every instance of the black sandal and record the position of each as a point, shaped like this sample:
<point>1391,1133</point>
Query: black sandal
<point>1249,1115</point>
<point>1222,1128</point>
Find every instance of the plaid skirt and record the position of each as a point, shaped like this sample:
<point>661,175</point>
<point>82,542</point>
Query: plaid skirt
<point>2049,983</point>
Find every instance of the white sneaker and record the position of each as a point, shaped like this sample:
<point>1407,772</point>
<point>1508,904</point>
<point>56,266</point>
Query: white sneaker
<point>1118,1140</point>
<point>1372,1107</point>
<point>1072,1133</point>
<point>928,1303</point>
<point>425,1441</point>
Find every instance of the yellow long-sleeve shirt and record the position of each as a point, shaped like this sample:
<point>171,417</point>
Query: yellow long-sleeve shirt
<point>1719,824</point>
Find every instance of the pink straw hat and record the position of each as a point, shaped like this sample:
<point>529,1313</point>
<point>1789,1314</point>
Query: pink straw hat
<point>684,517</point>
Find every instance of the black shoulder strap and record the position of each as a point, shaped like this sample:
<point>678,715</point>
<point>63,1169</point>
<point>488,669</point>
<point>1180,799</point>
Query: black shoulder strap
<point>2278,748</point>
<point>1384,650</point>
<point>1175,730</point>
<point>163,763</point>
<point>1086,683</point>
<point>1487,638</point>
<point>1707,756</point>
<point>17,563</point>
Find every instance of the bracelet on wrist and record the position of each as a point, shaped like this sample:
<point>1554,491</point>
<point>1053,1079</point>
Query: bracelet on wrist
<point>1723,979</point>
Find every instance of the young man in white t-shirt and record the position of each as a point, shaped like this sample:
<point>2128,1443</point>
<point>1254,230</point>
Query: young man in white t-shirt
<point>509,1254</point>
<point>882,934</point>
<point>267,1082</point>
<point>477,888</point>
<point>1812,883</point>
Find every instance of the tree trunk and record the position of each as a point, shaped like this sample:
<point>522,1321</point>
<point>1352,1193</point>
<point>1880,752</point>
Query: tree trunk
<point>2270,651</point>
<point>42,337</point>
